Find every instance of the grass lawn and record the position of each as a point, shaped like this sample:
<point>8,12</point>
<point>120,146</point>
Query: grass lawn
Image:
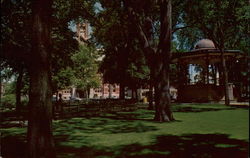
<point>206,130</point>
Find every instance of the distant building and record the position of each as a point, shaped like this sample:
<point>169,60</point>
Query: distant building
<point>66,94</point>
<point>105,91</point>
<point>82,31</point>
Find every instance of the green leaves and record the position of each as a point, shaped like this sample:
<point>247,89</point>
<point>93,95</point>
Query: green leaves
<point>85,67</point>
<point>63,78</point>
<point>219,21</point>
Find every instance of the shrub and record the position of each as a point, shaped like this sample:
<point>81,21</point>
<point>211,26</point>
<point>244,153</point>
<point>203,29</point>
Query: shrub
<point>8,101</point>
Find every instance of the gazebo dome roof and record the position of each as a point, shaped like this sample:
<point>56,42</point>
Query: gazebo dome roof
<point>204,44</point>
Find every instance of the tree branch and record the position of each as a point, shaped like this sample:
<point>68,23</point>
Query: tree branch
<point>180,28</point>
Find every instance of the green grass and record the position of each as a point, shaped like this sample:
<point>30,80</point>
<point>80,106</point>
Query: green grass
<point>207,130</point>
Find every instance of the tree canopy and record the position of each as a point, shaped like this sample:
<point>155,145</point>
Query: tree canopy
<point>85,68</point>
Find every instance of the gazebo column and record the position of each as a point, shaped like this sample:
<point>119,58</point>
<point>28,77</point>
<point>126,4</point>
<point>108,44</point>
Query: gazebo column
<point>217,74</point>
<point>203,74</point>
<point>208,87</point>
<point>214,69</point>
<point>181,79</point>
<point>188,76</point>
<point>220,74</point>
<point>207,69</point>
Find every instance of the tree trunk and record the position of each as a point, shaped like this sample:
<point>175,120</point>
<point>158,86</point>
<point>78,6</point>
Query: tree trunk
<point>18,89</point>
<point>40,138</point>
<point>122,91</point>
<point>150,96</point>
<point>110,90</point>
<point>1,85</point>
<point>133,94</point>
<point>162,101</point>
<point>88,93</point>
<point>57,95</point>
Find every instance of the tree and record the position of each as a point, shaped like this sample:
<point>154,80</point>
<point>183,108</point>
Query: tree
<point>124,63</point>
<point>33,49</point>
<point>159,58</point>
<point>85,68</point>
<point>163,111</point>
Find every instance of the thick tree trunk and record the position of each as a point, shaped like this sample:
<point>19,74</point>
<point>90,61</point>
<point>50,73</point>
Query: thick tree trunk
<point>163,111</point>
<point>162,96</point>
<point>18,90</point>
<point>40,138</point>
<point>162,101</point>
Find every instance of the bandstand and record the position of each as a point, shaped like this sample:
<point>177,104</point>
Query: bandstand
<point>200,72</point>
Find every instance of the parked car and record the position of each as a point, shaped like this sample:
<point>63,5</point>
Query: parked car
<point>75,99</point>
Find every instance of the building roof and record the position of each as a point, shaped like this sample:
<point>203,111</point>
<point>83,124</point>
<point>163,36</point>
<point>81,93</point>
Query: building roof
<point>202,55</point>
<point>204,44</point>
<point>205,51</point>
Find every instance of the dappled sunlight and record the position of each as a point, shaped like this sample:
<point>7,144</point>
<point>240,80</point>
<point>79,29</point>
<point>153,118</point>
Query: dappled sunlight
<point>192,145</point>
<point>197,132</point>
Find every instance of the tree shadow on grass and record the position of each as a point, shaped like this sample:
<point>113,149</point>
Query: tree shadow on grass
<point>197,109</point>
<point>204,107</point>
<point>13,147</point>
<point>165,146</point>
<point>186,146</point>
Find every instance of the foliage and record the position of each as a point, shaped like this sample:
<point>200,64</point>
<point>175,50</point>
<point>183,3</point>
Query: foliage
<point>85,68</point>
<point>63,78</point>
<point>15,19</point>
<point>8,100</point>
<point>124,62</point>
<point>6,72</point>
<point>217,21</point>
<point>10,88</point>
<point>187,38</point>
